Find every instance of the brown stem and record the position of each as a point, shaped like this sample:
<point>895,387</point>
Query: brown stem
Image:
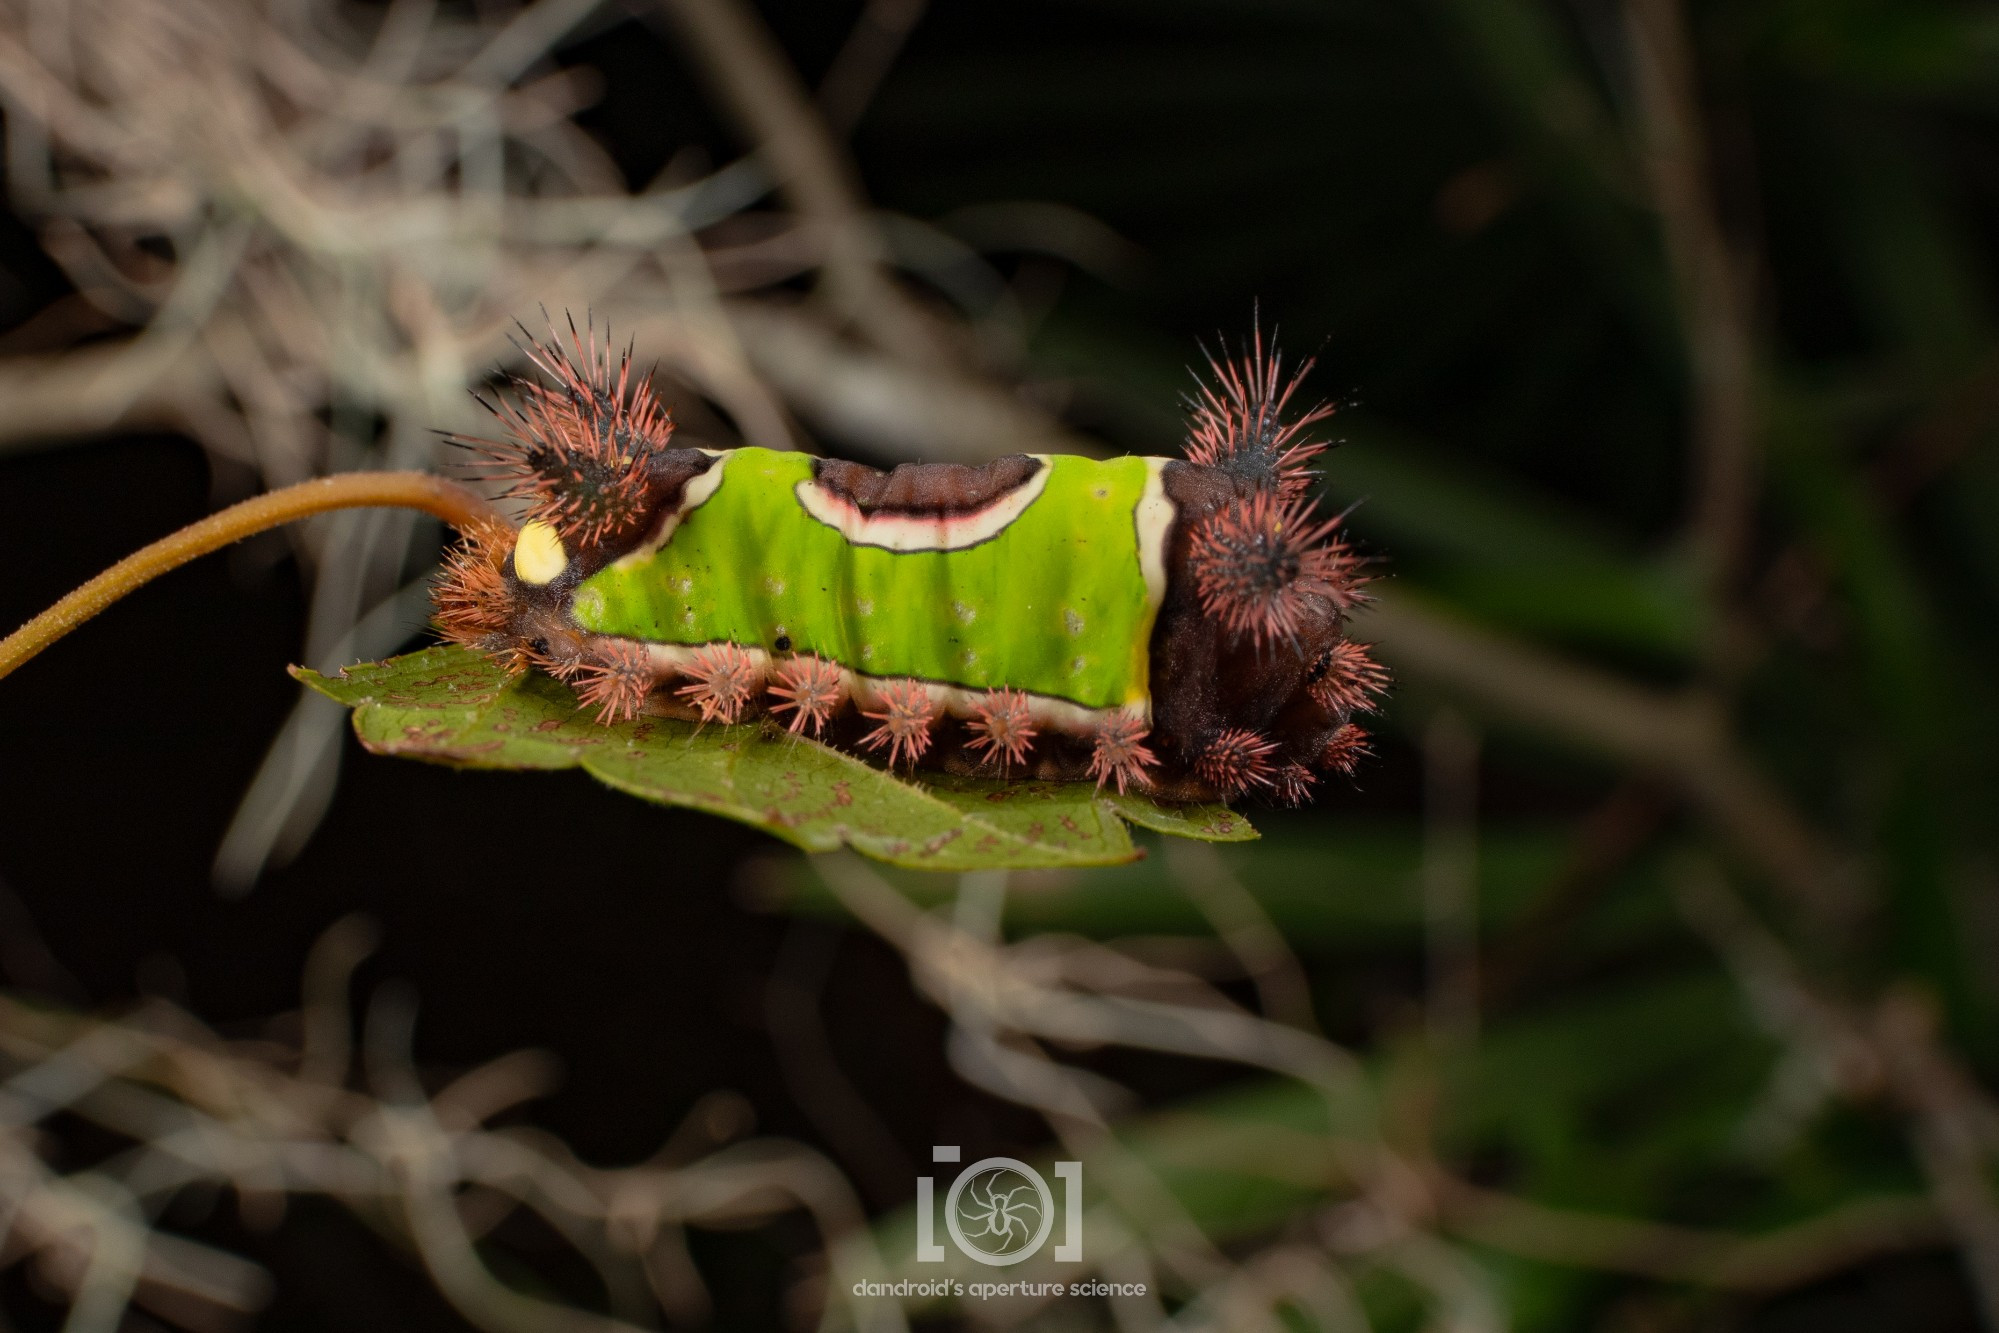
<point>349,490</point>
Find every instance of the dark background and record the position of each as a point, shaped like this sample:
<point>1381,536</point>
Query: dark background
<point>1401,191</point>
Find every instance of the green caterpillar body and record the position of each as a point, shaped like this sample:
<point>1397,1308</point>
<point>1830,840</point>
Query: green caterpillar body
<point>1175,625</point>
<point>1050,588</point>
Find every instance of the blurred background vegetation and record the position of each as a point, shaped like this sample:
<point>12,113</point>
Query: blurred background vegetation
<point>1644,979</point>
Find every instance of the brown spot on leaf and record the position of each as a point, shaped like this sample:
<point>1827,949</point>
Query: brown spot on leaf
<point>942,840</point>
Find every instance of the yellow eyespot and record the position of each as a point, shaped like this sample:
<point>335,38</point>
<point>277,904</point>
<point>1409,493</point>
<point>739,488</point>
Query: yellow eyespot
<point>538,554</point>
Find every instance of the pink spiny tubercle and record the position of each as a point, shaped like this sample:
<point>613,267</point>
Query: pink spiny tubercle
<point>723,679</point>
<point>615,681</point>
<point>1119,754</point>
<point>1353,680</point>
<point>906,716</point>
<point>811,689</point>
<point>1235,761</point>
<point>1345,750</point>
<point>1293,783</point>
<point>1002,726</point>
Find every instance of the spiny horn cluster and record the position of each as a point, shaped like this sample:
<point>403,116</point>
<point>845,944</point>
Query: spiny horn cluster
<point>1258,558</point>
<point>579,444</point>
<point>471,603</point>
<point>1237,421</point>
<point>1269,572</point>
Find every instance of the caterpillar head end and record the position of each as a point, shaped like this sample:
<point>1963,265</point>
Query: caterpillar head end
<point>580,442</point>
<point>472,603</point>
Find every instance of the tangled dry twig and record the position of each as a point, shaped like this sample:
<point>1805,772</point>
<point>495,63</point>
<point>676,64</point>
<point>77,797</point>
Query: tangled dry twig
<point>1382,1201</point>
<point>276,1119</point>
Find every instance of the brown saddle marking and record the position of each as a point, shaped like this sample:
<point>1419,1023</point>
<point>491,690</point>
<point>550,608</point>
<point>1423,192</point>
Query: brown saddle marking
<point>925,490</point>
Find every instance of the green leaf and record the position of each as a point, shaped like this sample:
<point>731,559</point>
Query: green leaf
<point>451,706</point>
<point>1208,823</point>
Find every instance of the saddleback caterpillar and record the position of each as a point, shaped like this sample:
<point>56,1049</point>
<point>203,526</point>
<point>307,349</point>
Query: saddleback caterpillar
<point>1172,625</point>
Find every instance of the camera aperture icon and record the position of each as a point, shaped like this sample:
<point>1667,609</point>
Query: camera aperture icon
<point>999,1210</point>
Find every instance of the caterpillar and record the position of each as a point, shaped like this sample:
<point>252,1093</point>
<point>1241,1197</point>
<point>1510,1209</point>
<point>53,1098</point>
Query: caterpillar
<point>1171,625</point>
